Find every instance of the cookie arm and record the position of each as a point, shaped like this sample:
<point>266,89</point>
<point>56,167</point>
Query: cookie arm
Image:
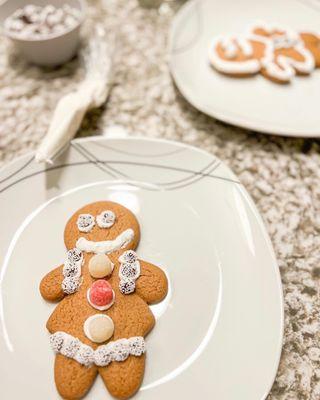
<point>50,285</point>
<point>152,284</point>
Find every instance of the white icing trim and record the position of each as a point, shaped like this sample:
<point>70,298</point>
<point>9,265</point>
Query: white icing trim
<point>86,325</point>
<point>100,308</point>
<point>232,67</point>
<point>245,46</point>
<point>289,33</point>
<point>127,285</point>
<point>71,284</point>
<point>135,265</point>
<point>306,66</point>
<point>107,246</point>
<point>229,47</point>
<point>284,68</point>
<point>116,351</point>
<point>72,272</point>
<point>129,256</point>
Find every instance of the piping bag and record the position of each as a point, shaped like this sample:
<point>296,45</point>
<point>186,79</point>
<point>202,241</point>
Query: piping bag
<point>91,93</point>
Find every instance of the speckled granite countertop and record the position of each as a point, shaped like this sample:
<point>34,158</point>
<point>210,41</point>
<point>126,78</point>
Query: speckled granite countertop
<point>282,175</point>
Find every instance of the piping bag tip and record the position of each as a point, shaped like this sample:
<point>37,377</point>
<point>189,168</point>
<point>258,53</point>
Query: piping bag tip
<point>40,158</point>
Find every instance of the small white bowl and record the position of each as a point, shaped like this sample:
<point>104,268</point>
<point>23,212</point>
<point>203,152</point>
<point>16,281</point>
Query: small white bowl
<point>51,51</point>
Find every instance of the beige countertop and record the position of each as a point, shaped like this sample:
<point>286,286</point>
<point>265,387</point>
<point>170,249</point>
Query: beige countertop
<point>282,175</point>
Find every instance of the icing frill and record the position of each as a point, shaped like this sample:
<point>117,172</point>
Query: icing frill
<point>129,272</point>
<point>72,271</point>
<point>127,286</point>
<point>128,256</point>
<point>118,350</point>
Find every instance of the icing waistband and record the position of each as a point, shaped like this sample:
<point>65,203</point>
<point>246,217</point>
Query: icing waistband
<point>118,350</point>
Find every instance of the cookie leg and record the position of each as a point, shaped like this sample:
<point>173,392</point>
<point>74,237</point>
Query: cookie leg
<point>123,379</point>
<point>73,380</point>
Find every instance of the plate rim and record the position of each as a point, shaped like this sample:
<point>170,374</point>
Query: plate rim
<point>246,198</point>
<point>230,118</point>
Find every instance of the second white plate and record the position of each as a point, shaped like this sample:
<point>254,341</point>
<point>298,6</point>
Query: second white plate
<point>254,103</point>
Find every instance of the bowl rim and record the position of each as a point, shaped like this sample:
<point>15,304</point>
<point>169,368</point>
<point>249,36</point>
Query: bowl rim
<point>83,11</point>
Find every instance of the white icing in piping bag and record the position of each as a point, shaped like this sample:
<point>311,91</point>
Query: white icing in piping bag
<point>92,93</point>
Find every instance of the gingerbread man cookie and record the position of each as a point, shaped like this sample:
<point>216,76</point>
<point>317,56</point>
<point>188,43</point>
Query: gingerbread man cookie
<point>103,290</point>
<point>277,53</point>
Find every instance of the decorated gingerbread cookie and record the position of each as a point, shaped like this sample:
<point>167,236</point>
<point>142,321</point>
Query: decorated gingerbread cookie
<point>103,290</point>
<point>277,53</point>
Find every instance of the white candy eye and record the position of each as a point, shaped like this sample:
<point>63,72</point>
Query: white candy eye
<point>106,219</point>
<point>85,222</point>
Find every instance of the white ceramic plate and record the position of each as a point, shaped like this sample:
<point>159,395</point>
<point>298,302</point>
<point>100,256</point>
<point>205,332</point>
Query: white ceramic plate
<point>219,331</point>
<point>253,103</point>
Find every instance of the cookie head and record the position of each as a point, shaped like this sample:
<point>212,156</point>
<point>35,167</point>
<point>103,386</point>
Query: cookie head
<point>103,226</point>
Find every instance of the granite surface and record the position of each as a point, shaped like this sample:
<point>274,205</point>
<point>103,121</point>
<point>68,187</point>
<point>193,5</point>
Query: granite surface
<point>282,175</point>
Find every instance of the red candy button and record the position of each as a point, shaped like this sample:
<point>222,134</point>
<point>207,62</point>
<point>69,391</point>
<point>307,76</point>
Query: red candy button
<point>101,293</point>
